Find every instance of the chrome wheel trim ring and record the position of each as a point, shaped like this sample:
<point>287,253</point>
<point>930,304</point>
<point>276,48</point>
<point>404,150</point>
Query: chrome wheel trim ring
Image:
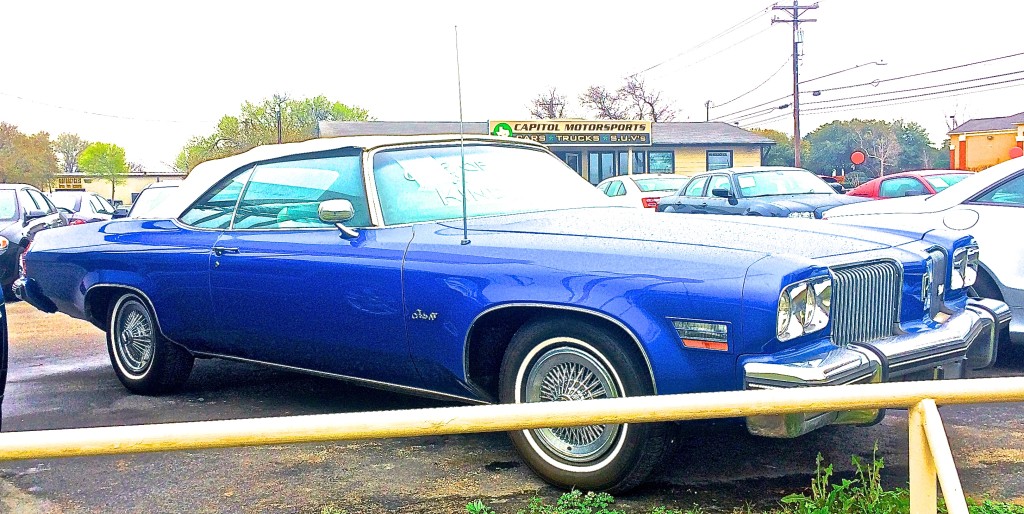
<point>133,338</point>
<point>569,369</point>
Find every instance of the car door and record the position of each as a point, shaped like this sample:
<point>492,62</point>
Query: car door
<point>289,289</point>
<point>691,199</point>
<point>718,204</point>
<point>33,201</point>
<point>1000,211</point>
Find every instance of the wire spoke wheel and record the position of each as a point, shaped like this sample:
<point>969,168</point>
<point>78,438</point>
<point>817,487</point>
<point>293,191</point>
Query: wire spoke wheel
<point>133,338</point>
<point>565,374</point>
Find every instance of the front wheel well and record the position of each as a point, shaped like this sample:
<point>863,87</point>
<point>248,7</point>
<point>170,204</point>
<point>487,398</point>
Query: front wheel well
<point>492,332</point>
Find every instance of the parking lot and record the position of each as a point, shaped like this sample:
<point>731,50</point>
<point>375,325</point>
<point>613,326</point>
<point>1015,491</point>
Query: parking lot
<point>61,378</point>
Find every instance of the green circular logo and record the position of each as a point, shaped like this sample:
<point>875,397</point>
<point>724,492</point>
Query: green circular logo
<point>502,129</point>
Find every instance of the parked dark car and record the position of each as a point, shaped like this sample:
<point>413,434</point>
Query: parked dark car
<point>3,355</point>
<point>148,199</point>
<point>24,211</point>
<point>758,191</point>
<point>83,206</point>
<point>351,258</point>
<point>909,183</point>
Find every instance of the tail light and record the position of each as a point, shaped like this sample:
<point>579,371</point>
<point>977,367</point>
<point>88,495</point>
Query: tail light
<point>76,221</point>
<point>650,202</point>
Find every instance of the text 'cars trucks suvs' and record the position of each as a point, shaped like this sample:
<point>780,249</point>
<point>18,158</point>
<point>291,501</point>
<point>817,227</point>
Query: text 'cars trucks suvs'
<point>347,258</point>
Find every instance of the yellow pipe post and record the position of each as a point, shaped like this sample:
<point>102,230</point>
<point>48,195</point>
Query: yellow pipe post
<point>942,458</point>
<point>923,498</point>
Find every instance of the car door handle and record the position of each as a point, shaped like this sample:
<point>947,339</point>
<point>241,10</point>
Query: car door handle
<point>221,250</point>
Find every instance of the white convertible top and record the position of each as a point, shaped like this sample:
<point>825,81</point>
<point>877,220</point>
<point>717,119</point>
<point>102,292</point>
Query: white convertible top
<point>207,174</point>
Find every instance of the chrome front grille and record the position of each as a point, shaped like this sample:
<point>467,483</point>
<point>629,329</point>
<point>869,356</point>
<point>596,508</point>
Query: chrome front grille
<point>865,301</point>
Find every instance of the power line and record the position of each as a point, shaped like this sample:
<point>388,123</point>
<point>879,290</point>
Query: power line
<point>105,115</point>
<point>981,88</point>
<point>744,22</point>
<point>874,82</point>
<point>783,65</point>
<point>882,93</point>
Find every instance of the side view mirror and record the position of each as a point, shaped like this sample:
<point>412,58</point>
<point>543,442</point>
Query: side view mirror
<point>33,214</point>
<point>119,212</point>
<point>722,192</point>
<point>337,212</point>
<point>837,187</point>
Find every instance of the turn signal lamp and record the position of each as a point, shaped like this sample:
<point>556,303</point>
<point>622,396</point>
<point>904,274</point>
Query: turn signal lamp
<point>703,334</point>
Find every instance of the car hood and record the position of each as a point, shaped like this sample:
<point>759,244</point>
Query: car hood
<point>907,205</point>
<point>808,238</point>
<point>809,202</point>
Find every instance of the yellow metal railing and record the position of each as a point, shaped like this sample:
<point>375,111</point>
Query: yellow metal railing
<point>930,456</point>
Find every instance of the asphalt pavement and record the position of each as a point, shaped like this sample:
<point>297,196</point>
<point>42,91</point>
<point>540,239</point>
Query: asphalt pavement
<point>60,378</point>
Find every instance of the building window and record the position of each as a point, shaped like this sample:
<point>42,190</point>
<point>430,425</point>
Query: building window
<point>719,159</point>
<point>572,159</point>
<point>639,162</point>
<point>662,162</point>
<point>601,165</point>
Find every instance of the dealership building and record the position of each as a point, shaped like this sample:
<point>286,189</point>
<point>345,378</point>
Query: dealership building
<point>598,149</point>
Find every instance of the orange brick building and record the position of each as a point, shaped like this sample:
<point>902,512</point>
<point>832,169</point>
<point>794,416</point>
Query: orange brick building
<point>977,144</point>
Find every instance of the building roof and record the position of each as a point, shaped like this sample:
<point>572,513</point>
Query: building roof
<point>670,132</point>
<point>989,124</point>
<point>704,133</point>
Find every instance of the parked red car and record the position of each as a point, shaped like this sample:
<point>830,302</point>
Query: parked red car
<point>909,183</point>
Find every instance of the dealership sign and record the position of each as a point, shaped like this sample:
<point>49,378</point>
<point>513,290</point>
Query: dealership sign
<point>576,132</point>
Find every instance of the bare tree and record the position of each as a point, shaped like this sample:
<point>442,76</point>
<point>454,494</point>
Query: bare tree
<point>69,148</point>
<point>136,168</point>
<point>606,104</point>
<point>647,104</point>
<point>549,105</point>
<point>879,142</point>
<point>631,101</point>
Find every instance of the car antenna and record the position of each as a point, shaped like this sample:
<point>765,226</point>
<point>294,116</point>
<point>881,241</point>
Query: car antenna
<point>462,141</point>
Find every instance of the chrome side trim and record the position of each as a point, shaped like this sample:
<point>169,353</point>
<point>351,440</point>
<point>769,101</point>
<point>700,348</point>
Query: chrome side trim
<point>376,384</point>
<point>636,340</point>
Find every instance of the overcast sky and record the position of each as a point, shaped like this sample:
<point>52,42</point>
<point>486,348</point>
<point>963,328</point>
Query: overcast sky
<point>147,75</point>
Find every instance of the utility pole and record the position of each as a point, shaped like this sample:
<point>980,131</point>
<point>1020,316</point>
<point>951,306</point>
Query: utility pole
<point>794,17</point>
<point>707,110</point>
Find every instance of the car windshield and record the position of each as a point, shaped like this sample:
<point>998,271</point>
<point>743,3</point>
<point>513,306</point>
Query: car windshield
<point>101,205</point>
<point>424,184</point>
<point>8,205</point>
<point>648,184</point>
<point>148,199</point>
<point>781,182</point>
<point>940,182</point>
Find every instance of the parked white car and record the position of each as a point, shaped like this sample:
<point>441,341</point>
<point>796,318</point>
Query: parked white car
<point>988,205</point>
<point>641,190</point>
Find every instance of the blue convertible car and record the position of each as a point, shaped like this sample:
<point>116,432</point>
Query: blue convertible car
<point>351,258</point>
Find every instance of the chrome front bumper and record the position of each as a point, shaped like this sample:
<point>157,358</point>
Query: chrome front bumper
<point>966,341</point>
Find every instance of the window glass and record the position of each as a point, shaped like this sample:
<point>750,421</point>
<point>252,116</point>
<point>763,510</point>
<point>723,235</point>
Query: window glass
<point>719,159</point>
<point>781,182</point>
<point>719,182</point>
<point>1007,193</point>
<point>648,184</point>
<point>288,194</point>
<point>639,162</point>
<point>215,208</point>
<point>8,205</point>
<point>901,186</point>
<point>51,208</point>
<point>27,202</point>
<point>603,187</point>
<point>696,186</point>
<point>40,202</point>
<point>423,184</point>
<point>662,162</point>
<point>616,189</point>
<point>940,182</point>
<point>102,205</point>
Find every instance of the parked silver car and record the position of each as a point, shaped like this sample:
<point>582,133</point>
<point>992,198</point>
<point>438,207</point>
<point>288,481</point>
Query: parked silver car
<point>989,205</point>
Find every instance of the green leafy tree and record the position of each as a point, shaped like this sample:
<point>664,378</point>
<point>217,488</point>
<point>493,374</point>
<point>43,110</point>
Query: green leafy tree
<point>24,158</point>
<point>69,148</point>
<point>830,148</point>
<point>257,124</point>
<point>782,153</point>
<point>106,162</point>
